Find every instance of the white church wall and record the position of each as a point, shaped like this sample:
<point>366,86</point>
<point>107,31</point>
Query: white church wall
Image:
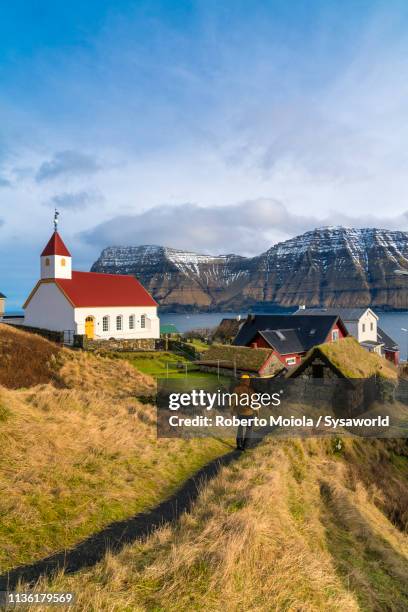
<point>49,309</point>
<point>151,329</point>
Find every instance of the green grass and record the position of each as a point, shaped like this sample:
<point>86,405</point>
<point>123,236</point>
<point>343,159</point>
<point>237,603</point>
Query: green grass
<point>82,508</point>
<point>166,364</point>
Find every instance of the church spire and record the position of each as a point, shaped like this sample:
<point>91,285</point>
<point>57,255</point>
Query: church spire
<point>56,259</point>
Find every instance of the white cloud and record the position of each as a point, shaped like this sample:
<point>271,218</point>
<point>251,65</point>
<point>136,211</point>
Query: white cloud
<point>78,200</point>
<point>67,163</point>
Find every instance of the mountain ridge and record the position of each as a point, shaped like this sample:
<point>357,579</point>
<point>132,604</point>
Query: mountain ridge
<point>327,266</point>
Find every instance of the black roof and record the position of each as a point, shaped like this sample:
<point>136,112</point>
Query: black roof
<point>389,343</point>
<point>346,314</point>
<point>286,333</point>
<point>2,295</point>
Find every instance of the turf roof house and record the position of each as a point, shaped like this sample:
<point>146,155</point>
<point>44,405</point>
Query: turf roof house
<point>290,337</point>
<point>345,359</point>
<point>362,323</point>
<point>100,306</point>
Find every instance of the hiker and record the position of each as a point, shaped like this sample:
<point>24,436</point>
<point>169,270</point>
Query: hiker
<point>243,413</point>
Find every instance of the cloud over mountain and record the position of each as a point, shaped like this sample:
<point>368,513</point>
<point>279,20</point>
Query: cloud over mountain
<point>245,227</point>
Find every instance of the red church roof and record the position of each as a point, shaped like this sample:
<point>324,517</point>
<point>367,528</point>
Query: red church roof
<point>56,246</point>
<point>91,289</point>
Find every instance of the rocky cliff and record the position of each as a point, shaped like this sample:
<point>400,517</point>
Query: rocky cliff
<point>331,266</point>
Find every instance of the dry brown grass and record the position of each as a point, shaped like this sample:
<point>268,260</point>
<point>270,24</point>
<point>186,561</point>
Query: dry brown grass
<point>26,359</point>
<point>284,529</point>
<point>87,372</point>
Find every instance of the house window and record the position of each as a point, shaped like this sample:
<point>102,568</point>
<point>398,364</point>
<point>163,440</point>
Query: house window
<point>119,323</point>
<point>335,335</point>
<point>132,322</point>
<point>105,323</point>
<point>291,361</point>
<point>371,326</point>
<point>363,327</point>
<point>63,262</point>
<point>47,261</point>
<point>143,321</point>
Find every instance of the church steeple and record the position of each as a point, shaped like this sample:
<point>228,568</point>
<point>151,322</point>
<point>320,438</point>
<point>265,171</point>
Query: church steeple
<point>56,260</point>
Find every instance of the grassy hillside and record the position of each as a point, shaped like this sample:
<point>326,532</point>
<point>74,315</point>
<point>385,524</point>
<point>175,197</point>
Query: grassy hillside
<point>77,450</point>
<point>290,526</point>
<point>26,359</point>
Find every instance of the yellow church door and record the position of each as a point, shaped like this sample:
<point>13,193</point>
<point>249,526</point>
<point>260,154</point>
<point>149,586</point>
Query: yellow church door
<point>89,327</point>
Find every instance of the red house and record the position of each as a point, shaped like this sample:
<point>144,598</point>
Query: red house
<point>290,337</point>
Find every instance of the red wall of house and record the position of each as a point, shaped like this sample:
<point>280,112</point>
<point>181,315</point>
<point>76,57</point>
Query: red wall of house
<point>334,328</point>
<point>283,358</point>
<point>392,356</point>
<point>260,342</point>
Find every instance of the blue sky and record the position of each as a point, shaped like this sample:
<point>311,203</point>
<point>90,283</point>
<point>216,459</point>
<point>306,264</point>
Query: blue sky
<point>210,126</point>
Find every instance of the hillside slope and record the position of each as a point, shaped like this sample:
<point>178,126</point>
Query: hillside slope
<point>331,266</point>
<point>291,526</point>
<point>78,450</point>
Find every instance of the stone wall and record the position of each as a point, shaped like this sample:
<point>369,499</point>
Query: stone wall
<point>139,344</point>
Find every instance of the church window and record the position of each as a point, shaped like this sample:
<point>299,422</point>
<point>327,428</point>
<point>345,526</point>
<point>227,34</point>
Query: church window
<point>143,321</point>
<point>105,323</point>
<point>47,261</point>
<point>119,323</point>
<point>63,262</point>
<point>132,322</point>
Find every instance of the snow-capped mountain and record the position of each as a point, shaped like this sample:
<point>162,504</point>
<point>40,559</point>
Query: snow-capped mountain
<point>327,266</point>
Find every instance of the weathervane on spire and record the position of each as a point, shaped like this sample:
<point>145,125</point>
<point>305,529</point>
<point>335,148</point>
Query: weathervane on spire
<point>56,215</point>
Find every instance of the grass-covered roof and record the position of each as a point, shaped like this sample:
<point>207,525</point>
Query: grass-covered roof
<point>353,361</point>
<point>244,357</point>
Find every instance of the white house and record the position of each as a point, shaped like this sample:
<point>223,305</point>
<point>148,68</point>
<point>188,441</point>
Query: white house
<point>101,306</point>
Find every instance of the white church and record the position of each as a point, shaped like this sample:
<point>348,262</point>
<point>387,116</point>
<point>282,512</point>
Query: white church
<point>100,306</point>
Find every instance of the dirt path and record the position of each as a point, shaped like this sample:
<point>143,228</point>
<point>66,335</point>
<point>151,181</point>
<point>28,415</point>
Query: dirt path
<point>116,535</point>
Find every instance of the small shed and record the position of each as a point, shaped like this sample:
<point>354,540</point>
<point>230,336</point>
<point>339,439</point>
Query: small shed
<point>237,360</point>
<point>168,329</point>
